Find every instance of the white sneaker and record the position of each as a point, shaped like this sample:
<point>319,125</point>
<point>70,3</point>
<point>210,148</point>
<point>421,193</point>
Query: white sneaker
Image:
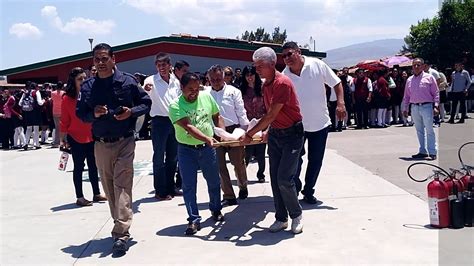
<point>297,225</point>
<point>278,226</point>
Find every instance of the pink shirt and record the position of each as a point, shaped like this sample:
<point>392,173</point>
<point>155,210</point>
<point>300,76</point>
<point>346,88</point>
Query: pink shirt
<point>8,107</point>
<point>57,98</point>
<point>420,89</point>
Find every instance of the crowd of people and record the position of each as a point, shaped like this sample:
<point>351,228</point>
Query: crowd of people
<point>98,113</point>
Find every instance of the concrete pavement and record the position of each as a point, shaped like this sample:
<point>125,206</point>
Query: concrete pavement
<point>363,219</point>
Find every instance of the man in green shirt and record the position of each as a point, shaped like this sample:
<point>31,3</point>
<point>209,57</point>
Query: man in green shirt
<point>194,115</point>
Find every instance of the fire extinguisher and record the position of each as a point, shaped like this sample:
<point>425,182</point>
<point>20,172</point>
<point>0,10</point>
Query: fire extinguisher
<point>438,196</point>
<point>468,194</point>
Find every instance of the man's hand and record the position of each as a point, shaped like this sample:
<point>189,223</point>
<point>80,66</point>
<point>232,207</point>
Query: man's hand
<point>127,112</point>
<point>264,137</point>
<point>405,114</point>
<point>466,92</point>
<point>100,110</point>
<point>340,110</point>
<point>210,141</point>
<point>369,99</point>
<point>148,87</point>
<point>20,117</point>
<point>436,110</point>
<point>245,139</point>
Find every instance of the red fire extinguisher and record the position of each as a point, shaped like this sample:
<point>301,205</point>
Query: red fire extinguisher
<point>438,196</point>
<point>468,176</point>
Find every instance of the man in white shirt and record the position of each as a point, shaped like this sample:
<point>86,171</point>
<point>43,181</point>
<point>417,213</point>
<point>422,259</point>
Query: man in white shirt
<point>163,89</point>
<point>231,108</point>
<point>309,76</point>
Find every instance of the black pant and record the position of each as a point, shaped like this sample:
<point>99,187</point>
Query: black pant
<point>316,147</point>
<point>259,152</point>
<point>7,131</point>
<point>361,107</point>
<point>458,97</point>
<point>81,152</point>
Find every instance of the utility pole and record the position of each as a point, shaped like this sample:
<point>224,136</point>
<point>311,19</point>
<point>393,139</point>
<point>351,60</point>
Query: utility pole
<point>311,40</point>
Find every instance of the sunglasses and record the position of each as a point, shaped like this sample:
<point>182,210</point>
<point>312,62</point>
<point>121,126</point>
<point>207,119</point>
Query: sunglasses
<point>287,55</point>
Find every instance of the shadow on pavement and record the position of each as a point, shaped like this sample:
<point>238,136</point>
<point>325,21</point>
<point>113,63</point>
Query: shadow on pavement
<point>136,204</point>
<point>241,225</point>
<point>64,207</point>
<point>420,227</point>
<point>103,247</point>
<point>409,159</point>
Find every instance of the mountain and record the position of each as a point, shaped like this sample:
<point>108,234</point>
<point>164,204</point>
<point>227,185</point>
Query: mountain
<point>353,54</point>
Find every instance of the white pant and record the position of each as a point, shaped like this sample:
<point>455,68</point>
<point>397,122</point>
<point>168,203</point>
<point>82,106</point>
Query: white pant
<point>381,116</point>
<point>19,137</point>
<point>35,130</point>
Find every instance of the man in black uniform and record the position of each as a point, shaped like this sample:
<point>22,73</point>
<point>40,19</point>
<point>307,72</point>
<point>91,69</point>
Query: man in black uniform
<point>112,101</point>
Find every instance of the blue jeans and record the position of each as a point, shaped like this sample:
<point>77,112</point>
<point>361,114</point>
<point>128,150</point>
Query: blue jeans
<point>422,116</point>
<point>190,160</point>
<point>164,142</point>
<point>316,147</point>
<point>284,149</point>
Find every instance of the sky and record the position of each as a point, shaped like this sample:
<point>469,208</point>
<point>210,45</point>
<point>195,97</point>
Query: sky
<point>36,30</point>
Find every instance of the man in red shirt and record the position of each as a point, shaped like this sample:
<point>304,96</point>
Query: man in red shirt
<point>285,139</point>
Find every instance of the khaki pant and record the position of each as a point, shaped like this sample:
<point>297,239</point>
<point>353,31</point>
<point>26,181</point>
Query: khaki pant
<point>115,164</point>
<point>236,155</point>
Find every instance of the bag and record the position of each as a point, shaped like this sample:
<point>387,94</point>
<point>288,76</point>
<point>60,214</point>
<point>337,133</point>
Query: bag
<point>27,103</point>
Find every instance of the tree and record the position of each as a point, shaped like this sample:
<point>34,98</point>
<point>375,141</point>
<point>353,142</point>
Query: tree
<point>446,38</point>
<point>261,36</point>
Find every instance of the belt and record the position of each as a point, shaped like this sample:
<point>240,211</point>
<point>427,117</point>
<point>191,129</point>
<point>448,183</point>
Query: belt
<point>296,128</point>
<point>422,103</point>
<point>197,146</point>
<point>112,139</point>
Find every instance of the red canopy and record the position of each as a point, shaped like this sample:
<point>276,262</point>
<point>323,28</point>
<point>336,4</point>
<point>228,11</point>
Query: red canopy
<point>372,65</point>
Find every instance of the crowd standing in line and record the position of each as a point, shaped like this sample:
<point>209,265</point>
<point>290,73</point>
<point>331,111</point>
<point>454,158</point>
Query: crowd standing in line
<point>96,119</point>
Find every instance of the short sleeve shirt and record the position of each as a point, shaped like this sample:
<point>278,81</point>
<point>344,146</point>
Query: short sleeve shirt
<point>199,113</point>
<point>311,91</point>
<point>282,91</point>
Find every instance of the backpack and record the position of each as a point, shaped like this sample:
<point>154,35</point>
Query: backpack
<point>27,103</point>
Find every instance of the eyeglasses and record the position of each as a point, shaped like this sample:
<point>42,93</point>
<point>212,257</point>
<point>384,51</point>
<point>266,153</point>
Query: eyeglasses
<point>287,55</point>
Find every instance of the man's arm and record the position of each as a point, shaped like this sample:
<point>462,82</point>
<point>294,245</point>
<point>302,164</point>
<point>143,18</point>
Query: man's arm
<point>263,123</point>
<point>84,111</point>
<point>141,101</point>
<point>341,106</point>
<point>194,131</point>
<point>240,109</point>
<point>218,121</point>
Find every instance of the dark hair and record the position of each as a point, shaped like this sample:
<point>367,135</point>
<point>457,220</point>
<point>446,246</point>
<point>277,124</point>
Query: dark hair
<point>382,72</point>
<point>180,64</point>
<point>102,46</point>
<point>290,45</point>
<point>71,82</point>
<point>258,82</point>
<point>163,57</point>
<point>188,77</point>
<point>215,68</point>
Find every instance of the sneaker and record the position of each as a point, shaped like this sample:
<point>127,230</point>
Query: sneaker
<point>229,202</point>
<point>83,202</point>
<point>217,216</point>
<point>297,225</point>
<point>310,199</point>
<point>243,193</point>
<point>25,147</point>
<point>99,198</point>
<point>278,226</point>
<point>192,229</point>
<point>119,247</point>
<point>419,156</point>
<point>460,121</point>
<point>431,157</point>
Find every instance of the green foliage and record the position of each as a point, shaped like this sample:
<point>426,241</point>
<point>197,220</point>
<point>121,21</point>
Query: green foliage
<point>446,38</point>
<point>261,36</point>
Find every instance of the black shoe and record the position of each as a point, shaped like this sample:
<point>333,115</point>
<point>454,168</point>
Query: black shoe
<point>261,179</point>
<point>229,202</point>
<point>310,199</point>
<point>25,147</point>
<point>192,229</point>
<point>451,121</point>
<point>419,156</point>
<point>358,127</point>
<point>119,247</point>
<point>243,193</point>
<point>460,121</point>
<point>431,158</point>
<point>217,216</point>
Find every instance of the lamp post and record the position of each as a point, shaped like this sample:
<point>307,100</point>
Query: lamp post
<point>91,41</point>
<point>311,40</point>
